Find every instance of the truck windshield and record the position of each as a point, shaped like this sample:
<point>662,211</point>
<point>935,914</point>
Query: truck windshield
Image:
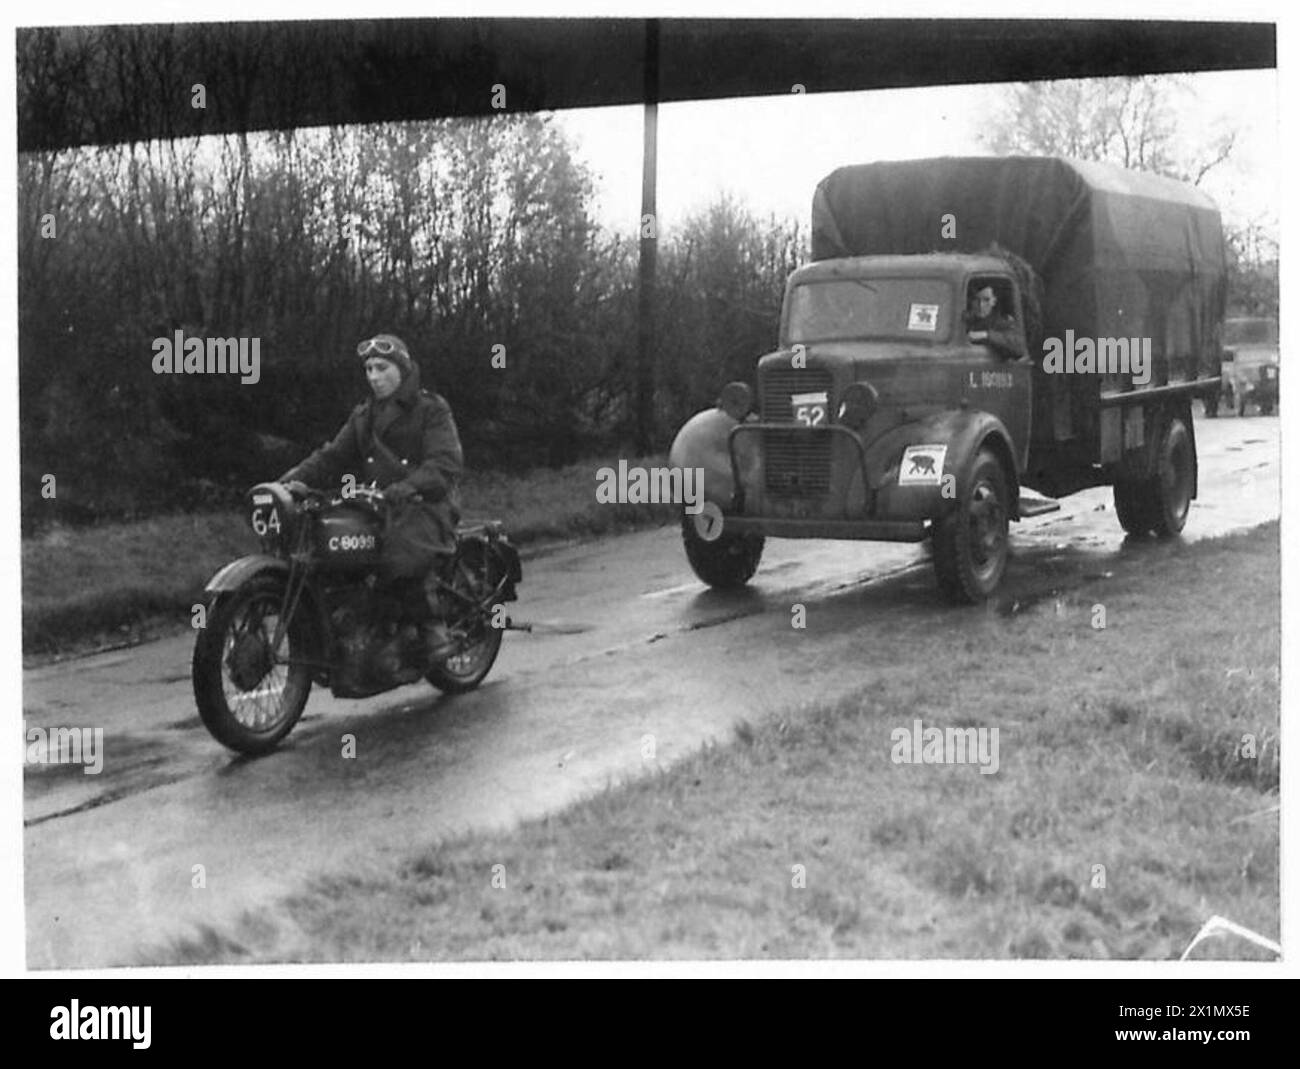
<point>849,309</point>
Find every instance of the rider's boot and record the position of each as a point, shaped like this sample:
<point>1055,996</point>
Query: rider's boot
<point>438,643</point>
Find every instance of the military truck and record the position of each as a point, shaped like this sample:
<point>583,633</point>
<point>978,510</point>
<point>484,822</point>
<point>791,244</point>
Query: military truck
<point>882,415</point>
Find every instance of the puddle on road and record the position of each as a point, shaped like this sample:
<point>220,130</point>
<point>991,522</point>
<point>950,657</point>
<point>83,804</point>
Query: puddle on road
<point>186,724</point>
<point>132,763</point>
<point>552,627</point>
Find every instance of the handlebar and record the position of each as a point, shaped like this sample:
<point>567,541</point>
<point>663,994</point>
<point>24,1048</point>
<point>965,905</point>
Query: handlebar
<point>312,499</point>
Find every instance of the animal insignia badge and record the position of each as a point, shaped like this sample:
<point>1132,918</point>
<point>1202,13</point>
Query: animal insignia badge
<point>922,465</point>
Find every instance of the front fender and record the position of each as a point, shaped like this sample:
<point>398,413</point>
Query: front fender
<point>703,443</point>
<point>962,434</point>
<point>239,571</point>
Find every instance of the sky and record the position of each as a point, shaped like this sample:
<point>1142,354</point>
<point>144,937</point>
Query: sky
<point>771,152</point>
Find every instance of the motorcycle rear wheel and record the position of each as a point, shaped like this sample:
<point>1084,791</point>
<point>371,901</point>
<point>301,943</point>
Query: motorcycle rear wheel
<point>474,574</point>
<point>246,699</point>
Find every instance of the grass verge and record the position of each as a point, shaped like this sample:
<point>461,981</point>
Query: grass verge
<point>1136,795</point>
<point>125,582</point>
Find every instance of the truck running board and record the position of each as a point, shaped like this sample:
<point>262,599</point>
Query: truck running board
<point>1033,505</point>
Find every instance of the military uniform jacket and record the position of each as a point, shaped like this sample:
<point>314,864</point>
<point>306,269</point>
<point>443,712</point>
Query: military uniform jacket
<point>410,437</point>
<point>1004,334</point>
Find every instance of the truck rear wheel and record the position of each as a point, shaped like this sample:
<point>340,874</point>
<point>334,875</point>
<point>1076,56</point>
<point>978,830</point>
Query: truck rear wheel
<point>1133,505</point>
<point>727,562</point>
<point>1175,469</point>
<point>1161,502</point>
<point>972,542</point>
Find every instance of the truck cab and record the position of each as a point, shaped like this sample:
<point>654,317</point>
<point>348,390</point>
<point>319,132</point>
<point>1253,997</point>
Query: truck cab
<point>880,347</point>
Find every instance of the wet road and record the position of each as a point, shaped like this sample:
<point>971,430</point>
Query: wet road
<point>633,665</point>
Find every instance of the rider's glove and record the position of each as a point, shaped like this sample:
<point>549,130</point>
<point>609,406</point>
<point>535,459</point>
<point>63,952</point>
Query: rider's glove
<point>399,492</point>
<point>297,488</point>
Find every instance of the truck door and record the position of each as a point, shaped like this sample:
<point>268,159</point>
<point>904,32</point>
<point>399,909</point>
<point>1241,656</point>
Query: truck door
<point>997,372</point>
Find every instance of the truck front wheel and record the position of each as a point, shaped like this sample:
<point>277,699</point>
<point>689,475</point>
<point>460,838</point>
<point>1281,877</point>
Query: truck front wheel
<point>972,542</point>
<point>727,562</point>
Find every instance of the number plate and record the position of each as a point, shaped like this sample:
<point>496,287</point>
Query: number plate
<point>262,523</point>
<point>809,408</point>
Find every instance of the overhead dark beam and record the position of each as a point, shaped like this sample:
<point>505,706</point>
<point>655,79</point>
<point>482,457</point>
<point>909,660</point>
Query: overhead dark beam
<point>84,85</point>
<point>649,248</point>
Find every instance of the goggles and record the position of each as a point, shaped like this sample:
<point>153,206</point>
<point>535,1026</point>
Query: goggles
<point>382,346</point>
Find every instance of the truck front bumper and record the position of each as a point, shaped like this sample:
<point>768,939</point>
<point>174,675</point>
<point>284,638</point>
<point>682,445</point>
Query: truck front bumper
<point>864,530</point>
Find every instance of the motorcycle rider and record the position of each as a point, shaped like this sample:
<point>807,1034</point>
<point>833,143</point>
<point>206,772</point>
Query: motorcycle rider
<point>403,439</point>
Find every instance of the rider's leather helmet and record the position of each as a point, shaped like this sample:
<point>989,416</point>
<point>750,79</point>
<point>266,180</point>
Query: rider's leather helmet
<point>389,347</point>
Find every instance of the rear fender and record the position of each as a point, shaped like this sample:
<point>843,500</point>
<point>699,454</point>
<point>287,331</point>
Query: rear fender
<point>501,551</point>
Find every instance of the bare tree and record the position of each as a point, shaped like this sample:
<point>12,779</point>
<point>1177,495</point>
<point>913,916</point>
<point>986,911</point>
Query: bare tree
<point>1128,121</point>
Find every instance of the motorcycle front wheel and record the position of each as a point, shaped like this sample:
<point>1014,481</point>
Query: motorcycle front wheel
<point>249,698</point>
<point>474,574</point>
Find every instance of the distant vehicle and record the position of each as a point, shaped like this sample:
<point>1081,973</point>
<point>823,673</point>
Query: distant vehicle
<point>887,413</point>
<point>1251,364</point>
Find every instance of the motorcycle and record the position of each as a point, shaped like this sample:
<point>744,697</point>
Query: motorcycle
<point>309,609</point>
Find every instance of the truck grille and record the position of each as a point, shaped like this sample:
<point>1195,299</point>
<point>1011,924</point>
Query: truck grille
<point>796,462</point>
<point>780,383</point>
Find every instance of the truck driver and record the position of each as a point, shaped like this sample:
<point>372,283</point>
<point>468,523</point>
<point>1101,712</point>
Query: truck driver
<point>987,326</point>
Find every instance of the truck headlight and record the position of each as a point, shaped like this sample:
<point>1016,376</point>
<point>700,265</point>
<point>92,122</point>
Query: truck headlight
<point>735,400</point>
<point>857,405</point>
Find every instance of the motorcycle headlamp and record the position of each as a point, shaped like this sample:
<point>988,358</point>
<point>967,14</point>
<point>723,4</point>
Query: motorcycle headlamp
<point>736,400</point>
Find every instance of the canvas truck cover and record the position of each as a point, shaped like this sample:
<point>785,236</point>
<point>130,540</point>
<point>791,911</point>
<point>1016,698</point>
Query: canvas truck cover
<point>1120,254</point>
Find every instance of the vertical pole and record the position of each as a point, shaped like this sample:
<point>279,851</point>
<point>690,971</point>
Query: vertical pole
<point>649,231</point>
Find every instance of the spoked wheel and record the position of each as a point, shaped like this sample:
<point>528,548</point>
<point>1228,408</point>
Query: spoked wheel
<point>248,697</point>
<point>474,574</point>
<point>972,542</point>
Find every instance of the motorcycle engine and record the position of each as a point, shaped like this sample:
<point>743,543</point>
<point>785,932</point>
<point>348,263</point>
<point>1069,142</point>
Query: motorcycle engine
<point>375,648</point>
